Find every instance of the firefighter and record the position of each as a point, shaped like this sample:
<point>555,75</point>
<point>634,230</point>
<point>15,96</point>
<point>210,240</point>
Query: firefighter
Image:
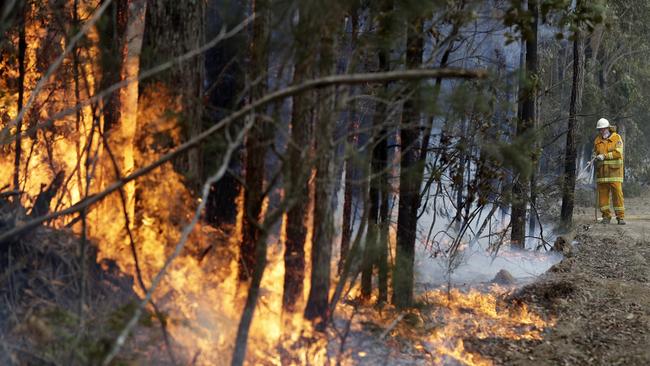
<point>608,153</point>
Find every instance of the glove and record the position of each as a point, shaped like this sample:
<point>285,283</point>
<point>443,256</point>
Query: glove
<point>600,157</point>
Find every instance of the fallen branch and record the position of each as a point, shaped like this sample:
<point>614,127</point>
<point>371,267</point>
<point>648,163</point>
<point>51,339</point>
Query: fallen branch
<point>392,326</point>
<point>280,94</point>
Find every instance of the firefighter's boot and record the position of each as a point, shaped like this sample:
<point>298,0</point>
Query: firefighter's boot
<point>621,221</point>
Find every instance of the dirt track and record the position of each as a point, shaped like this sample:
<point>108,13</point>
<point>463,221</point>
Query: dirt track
<point>600,296</point>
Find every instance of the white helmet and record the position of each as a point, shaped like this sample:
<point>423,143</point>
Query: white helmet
<point>602,123</point>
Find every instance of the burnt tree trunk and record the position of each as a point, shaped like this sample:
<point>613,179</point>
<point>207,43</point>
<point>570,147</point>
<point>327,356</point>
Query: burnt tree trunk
<point>298,177</point>
<point>412,156</point>
<point>521,189</point>
<point>569,184</point>
<point>112,33</point>
<point>384,220</point>
<point>174,28</point>
<point>317,309</point>
<point>255,145</point>
<point>225,80</point>
<point>22,47</point>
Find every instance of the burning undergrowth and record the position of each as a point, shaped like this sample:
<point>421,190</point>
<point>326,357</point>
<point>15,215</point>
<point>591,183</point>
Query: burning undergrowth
<point>200,298</point>
<point>448,327</point>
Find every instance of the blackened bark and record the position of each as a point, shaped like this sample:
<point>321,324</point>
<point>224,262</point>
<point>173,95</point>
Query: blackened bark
<point>243,329</point>
<point>225,77</point>
<point>568,189</point>
<point>241,340</point>
<point>521,189</point>
<point>253,200</point>
<point>22,47</point>
<point>298,175</point>
<point>111,38</point>
<point>317,308</point>
<point>255,145</point>
<point>173,28</point>
<point>412,155</point>
<point>384,220</point>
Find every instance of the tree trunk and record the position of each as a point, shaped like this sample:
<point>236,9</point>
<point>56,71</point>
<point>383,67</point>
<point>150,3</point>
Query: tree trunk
<point>243,329</point>
<point>22,47</point>
<point>352,139</point>
<point>225,77</point>
<point>521,189</point>
<point>412,156</point>
<point>241,339</point>
<point>384,223</point>
<point>317,308</point>
<point>122,134</point>
<point>173,28</point>
<point>298,182</point>
<point>459,176</point>
<point>568,188</point>
<point>346,227</point>
<point>255,144</point>
<point>372,255</point>
<point>112,37</point>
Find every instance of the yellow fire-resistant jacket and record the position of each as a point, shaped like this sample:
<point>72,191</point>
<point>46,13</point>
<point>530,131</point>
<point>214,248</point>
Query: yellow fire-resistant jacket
<point>611,169</point>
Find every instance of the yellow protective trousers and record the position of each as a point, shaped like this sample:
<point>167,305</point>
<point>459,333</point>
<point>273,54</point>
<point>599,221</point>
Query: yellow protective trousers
<point>616,189</point>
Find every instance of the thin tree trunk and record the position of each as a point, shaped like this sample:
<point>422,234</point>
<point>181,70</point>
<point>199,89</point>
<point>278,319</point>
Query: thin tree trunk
<point>372,251</point>
<point>346,229</point>
<point>459,177</point>
<point>317,308</point>
<point>112,38</point>
<point>384,226</point>
<point>520,190</point>
<point>255,145</point>
<point>353,126</point>
<point>22,47</point>
<point>412,156</point>
<point>243,329</point>
<point>568,189</point>
<point>297,150</point>
<point>123,134</point>
<point>241,340</point>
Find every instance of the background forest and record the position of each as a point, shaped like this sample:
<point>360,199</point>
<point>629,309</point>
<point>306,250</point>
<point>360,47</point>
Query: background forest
<point>214,181</point>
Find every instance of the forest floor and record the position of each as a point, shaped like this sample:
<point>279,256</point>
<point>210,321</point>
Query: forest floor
<point>596,300</point>
<point>599,296</point>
